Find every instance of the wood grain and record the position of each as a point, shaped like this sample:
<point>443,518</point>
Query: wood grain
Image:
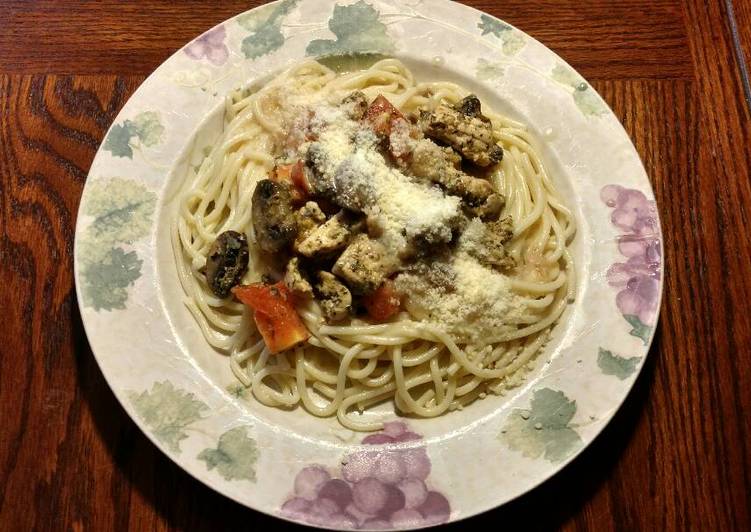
<point>740,13</point>
<point>47,36</point>
<point>677,456</point>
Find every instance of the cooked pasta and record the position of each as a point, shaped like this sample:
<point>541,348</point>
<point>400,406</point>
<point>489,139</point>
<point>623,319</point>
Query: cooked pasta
<point>413,360</point>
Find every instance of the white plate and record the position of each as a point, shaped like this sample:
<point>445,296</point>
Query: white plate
<point>182,394</point>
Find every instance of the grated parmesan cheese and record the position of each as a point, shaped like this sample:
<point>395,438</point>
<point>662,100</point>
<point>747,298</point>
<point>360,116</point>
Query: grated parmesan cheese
<point>398,208</point>
<point>481,302</point>
<point>458,294</point>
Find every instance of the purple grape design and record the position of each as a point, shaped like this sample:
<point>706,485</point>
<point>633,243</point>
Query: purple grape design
<point>211,46</point>
<point>638,278</point>
<point>377,489</point>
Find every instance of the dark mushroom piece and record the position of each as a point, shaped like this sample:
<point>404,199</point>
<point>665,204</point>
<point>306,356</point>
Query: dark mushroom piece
<point>471,106</point>
<point>273,215</point>
<point>227,262</point>
<point>337,182</point>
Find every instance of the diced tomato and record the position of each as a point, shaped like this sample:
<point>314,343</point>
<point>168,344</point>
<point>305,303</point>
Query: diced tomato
<point>381,114</point>
<point>384,303</point>
<point>294,175</point>
<point>274,314</point>
<point>300,179</point>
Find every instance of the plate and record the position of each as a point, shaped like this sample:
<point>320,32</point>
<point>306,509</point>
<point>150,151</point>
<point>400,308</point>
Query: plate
<point>182,393</point>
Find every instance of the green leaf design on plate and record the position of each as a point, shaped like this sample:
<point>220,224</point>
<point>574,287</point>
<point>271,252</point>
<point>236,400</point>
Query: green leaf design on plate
<point>357,30</point>
<point>584,96</point>
<point>146,126</point>
<point>619,366</point>
<point>511,41</point>
<point>118,140</point>
<point>486,71</point>
<point>567,76</point>
<point>638,329</point>
<point>234,457</point>
<point>545,429</point>
<point>107,281</point>
<point>588,102</point>
<point>122,210</point>
<point>266,27</point>
<point>492,25</point>
<point>256,18</point>
<point>168,411</point>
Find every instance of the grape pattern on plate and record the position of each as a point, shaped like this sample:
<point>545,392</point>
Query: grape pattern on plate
<point>638,278</point>
<point>380,488</point>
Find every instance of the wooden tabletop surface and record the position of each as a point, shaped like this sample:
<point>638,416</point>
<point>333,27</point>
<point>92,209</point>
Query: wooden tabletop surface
<point>677,456</point>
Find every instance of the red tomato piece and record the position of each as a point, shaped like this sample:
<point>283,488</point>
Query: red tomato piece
<point>294,175</point>
<point>300,179</point>
<point>381,114</point>
<point>384,303</point>
<point>274,314</point>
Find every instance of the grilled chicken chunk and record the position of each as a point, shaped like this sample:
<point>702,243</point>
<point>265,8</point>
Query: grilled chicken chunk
<point>486,242</point>
<point>355,105</point>
<point>465,129</point>
<point>364,265</point>
<point>296,281</point>
<point>309,217</point>
<point>273,215</point>
<point>440,165</point>
<point>329,237</point>
<point>334,297</point>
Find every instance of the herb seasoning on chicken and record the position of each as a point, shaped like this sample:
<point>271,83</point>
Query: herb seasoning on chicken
<point>398,208</point>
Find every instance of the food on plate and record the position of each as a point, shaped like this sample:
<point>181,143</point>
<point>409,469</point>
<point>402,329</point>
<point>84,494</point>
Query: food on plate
<point>360,238</point>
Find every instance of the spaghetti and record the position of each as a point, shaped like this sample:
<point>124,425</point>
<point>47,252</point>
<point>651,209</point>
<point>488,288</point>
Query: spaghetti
<point>425,368</point>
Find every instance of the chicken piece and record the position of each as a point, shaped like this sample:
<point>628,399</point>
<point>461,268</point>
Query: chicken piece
<point>296,281</point>
<point>309,217</point>
<point>440,165</point>
<point>335,298</point>
<point>355,105</point>
<point>490,208</point>
<point>273,215</point>
<point>486,242</point>
<point>493,251</point>
<point>364,265</point>
<point>329,237</point>
<point>465,129</point>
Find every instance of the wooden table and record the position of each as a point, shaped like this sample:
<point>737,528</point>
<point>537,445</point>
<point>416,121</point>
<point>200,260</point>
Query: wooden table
<point>677,455</point>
